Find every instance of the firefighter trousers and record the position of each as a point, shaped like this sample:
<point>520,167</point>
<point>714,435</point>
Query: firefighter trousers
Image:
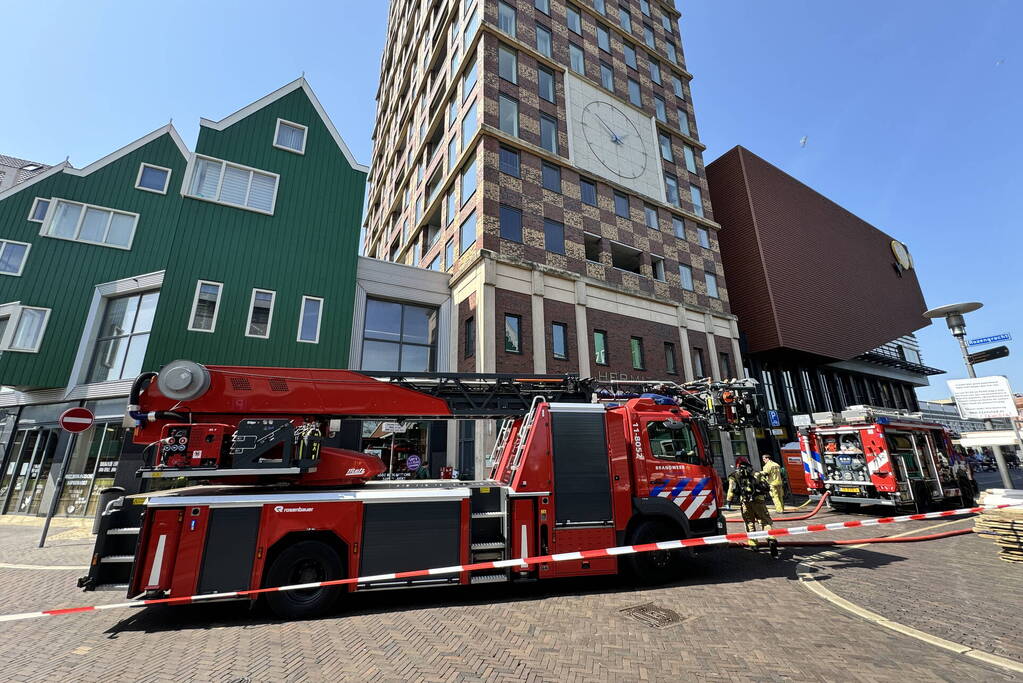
<point>778,496</point>
<point>754,512</point>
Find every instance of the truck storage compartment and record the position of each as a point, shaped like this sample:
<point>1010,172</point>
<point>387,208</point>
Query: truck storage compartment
<point>399,536</point>
<point>581,471</point>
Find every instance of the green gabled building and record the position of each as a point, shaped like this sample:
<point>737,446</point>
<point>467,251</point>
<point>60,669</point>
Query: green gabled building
<point>242,252</point>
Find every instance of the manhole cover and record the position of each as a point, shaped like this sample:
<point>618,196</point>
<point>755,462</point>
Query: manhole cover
<point>653,615</point>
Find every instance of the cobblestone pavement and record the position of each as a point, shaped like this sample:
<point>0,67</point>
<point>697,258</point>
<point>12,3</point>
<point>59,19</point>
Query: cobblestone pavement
<point>743,616</point>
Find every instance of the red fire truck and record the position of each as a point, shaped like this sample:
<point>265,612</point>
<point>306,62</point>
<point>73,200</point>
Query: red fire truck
<point>577,466</point>
<point>875,456</point>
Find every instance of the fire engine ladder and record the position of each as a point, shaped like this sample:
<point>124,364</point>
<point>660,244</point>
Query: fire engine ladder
<point>524,430</point>
<point>502,441</point>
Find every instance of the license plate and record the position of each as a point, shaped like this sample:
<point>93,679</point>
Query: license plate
<point>849,489</point>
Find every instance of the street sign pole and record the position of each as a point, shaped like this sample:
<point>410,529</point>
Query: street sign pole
<point>73,421</point>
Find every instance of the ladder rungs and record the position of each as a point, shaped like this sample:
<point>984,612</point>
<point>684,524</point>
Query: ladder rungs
<point>485,515</point>
<point>490,545</point>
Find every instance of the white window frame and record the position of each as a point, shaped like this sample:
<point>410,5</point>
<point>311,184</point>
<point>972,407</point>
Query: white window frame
<point>14,311</point>
<point>305,135</point>
<point>252,305</point>
<point>190,171</point>
<point>28,248</point>
<point>301,319</point>
<point>195,304</point>
<point>35,203</point>
<point>51,212</point>
<point>138,178</point>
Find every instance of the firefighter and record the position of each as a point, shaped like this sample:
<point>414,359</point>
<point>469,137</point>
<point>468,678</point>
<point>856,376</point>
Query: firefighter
<point>772,473</point>
<point>752,490</point>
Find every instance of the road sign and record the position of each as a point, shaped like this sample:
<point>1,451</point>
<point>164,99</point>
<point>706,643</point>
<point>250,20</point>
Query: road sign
<point>773,419</point>
<point>989,340</point>
<point>989,354</point>
<point>393,427</point>
<point>76,420</point>
<point>984,398</point>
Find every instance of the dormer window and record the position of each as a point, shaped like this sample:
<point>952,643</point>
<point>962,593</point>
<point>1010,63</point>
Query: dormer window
<point>290,136</point>
<point>153,178</point>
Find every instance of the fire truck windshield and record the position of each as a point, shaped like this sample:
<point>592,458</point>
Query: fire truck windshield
<point>673,441</point>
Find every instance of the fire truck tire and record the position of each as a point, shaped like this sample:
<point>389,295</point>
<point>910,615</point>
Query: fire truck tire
<point>844,508</point>
<point>659,566</point>
<point>304,562</point>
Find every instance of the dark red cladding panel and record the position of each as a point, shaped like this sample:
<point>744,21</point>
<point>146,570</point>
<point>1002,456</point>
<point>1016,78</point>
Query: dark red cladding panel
<point>828,277</point>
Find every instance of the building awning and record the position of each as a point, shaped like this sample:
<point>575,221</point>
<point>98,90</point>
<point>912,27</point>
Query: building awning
<point>891,359</point>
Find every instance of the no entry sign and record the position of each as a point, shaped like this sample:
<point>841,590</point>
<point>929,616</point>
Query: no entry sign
<point>76,420</point>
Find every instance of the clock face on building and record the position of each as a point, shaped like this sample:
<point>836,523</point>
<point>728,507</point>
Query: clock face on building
<point>614,139</point>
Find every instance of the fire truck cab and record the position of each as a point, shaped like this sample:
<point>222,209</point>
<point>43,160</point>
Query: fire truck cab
<point>874,456</point>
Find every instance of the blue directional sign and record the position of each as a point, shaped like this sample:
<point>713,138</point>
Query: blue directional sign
<point>989,340</point>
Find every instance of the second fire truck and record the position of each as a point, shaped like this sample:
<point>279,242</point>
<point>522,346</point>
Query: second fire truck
<point>577,467</point>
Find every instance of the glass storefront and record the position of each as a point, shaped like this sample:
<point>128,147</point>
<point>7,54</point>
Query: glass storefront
<point>24,478</point>
<point>404,451</point>
<point>92,469</point>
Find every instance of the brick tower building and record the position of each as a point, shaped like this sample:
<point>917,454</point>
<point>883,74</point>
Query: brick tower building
<point>545,153</point>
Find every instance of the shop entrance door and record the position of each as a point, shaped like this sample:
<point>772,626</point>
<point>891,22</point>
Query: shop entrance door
<point>28,469</point>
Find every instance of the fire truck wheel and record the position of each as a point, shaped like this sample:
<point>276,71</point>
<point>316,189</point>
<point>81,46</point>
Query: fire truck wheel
<point>304,562</point>
<point>659,566</point>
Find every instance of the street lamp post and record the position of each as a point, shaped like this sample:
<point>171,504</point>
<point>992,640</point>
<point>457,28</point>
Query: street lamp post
<point>953,315</point>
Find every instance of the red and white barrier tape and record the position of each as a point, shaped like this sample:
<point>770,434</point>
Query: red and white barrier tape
<point>524,561</point>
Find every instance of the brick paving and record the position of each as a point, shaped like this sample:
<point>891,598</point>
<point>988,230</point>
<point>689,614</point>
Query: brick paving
<point>743,617</point>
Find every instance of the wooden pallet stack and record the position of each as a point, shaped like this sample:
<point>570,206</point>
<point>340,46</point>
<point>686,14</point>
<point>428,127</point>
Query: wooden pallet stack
<point>1004,527</point>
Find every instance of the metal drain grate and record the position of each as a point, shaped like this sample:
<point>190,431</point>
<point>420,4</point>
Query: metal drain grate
<point>653,615</point>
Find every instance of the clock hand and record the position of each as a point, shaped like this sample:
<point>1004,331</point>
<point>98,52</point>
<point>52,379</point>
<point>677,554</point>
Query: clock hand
<point>614,137</point>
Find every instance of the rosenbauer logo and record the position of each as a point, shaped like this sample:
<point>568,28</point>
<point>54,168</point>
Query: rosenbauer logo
<point>281,508</point>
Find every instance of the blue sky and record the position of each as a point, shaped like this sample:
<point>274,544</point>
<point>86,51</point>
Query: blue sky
<point>910,108</point>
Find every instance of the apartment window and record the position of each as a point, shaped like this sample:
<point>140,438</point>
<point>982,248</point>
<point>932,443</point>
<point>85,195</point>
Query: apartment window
<point>704,237</point>
<point>625,19</point>
<point>683,121</point>
<point>91,224</point>
<point>621,205</point>
<point>549,133</point>
<point>506,18</point>
<point>650,214</point>
<point>576,59</point>
<point>655,71</point>
<point>676,85</point>
<point>697,200</point>
<point>712,285</point>
<point>508,115</point>
<point>205,306</point>
<point>698,368</point>
<point>607,77</point>
<point>644,7</point>
<point>470,123</point>
<point>670,365</point>
<point>452,153</point>
<point>123,336</point>
<point>648,37</point>
<point>767,379</point>
<point>452,111</point>
<point>13,256</point>
<point>553,236</point>
<point>512,333</point>
<point>449,254</point>
<point>634,93</point>
<point>725,363</point>
<point>603,38</point>
<point>600,347</point>
<point>543,5</point>
<point>511,223</point>
<point>657,267</point>
<point>690,157</point>
<point>153,178</point>
<point>685,274</point>
<point>544,41</point>
<point>467,233</point>
<point>666,23</point>
<point>22,327</point>
<point>435,264</point>
<point>678,226</point>
<point>470,337</point>
<point>472,25</point>
<point>588,191</point>
<point>551,175</point>
<point>309,319</point>
<point>545,83</point>
<point>630,55</point>
<point>636,351</point>
<point>290,136</point>
<point>39,208</point>
<point>559,340</point>
<point>626,258</point>
<point>468,184</point>
<point>599,6</point>
<point>665,141</point>
<point>218,181</point>
<point>669,49</point>
<point>659,110</point>
<point>671,190</point>
<point>510,161</point>
<point>469,81</point>
<point>450,206</point>
<point>261,313</point>
<point>591,247</point>
<point>574,19</point>
<point>508,64</point>
<point>399,337</point>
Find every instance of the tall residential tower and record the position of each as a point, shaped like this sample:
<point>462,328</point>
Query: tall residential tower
<point>545,153</point>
